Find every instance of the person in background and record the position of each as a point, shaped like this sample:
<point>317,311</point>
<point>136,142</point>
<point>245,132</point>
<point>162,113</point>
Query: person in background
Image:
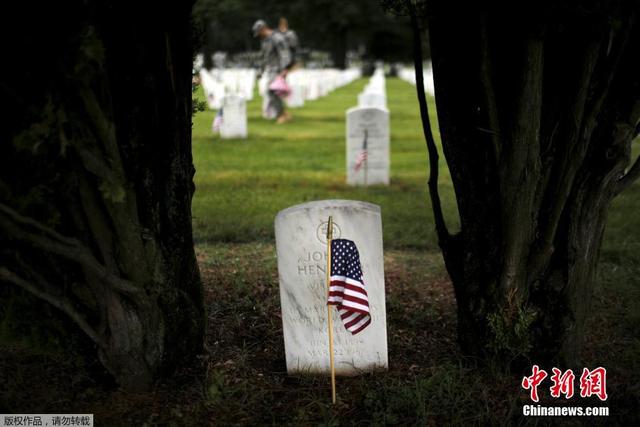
<point>291,37</point>
<point>276,62</point>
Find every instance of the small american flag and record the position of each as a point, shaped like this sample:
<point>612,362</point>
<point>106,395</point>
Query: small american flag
<point>217,121</point>
<point>362,156</point>
<point>347,290</point>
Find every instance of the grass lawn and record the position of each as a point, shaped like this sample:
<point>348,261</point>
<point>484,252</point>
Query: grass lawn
<point>242,184</point>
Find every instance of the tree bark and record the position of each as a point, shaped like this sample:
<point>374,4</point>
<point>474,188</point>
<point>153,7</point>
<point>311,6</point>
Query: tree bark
<point>95,207</point>
<point>339,50</point>
<point>537,117</point>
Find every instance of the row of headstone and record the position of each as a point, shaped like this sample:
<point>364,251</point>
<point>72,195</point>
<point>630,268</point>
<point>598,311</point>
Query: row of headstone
<point>239,81</point>
<point>368,136</point>
<point>309,85</point>
<point>214,89</point>
<point>408,74</point>
<point>219,83</point>
<point>374,93</point>
<point>228,90</point>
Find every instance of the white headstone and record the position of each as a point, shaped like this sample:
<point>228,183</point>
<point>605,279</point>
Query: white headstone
<point>234,117</point>
<point>213,89</point>
<point>372,99</point>
<point>314,89</point>
<point>296,99</point>
<point>301,247</point>
<point>372,124</point>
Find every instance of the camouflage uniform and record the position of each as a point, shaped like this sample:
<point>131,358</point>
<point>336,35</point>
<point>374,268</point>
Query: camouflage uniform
<point>276,58</point>
<point>292,41</point>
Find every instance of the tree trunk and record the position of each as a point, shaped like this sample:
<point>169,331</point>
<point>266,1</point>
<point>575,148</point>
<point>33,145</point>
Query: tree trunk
<point>95,207</point>
<point>537,119</point>
<point>339,48</point>
<point>209,47</point>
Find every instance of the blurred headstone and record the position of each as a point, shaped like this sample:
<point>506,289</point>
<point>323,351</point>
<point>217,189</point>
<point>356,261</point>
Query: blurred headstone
<point>296,99</point>
<point>234,117</point>
<point>372,125</point>
<point>372,99</point>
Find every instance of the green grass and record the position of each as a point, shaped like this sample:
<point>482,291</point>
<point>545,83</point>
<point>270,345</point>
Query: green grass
<point>242,184</point>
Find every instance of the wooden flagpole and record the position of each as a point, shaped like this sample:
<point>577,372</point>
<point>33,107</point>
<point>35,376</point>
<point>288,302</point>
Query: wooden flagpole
<point>366,161</point>
<point>366,167</point>
<point>329,318</point>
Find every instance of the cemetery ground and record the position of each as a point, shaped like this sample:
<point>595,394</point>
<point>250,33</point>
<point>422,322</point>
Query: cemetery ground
<point>240,186</point>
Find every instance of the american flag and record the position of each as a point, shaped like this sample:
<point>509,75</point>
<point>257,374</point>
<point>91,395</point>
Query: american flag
<point>217,121</point>
<point>347,290</point>
<point>362,156</point>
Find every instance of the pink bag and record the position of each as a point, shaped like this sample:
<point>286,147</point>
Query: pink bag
<point>280,87</point>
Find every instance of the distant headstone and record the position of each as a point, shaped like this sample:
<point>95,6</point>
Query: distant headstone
<point>234,117</point>
<point>314,89</point>
<point>371,124</point>
<point>213,89</point>
<point>302,260</point>
<point>296,98</point>
<point>371,99</point>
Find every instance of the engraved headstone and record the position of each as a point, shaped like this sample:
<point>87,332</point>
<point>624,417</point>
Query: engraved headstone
<point>371,124</point>
<point>302,261</point>
<point>234,117</point>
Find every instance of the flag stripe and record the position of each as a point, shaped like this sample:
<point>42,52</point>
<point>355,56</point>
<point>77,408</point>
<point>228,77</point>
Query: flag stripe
<point>348,294</point>
<point>349,317</point>
<point>355,306</point>
<point>354,300</point>
<point>346,289</point>
<point>344,279</point>
<point>340,287</point>
<point>355,331</point>
<point>356,294</point>
<point>355,321</point>
<point>362,157</point>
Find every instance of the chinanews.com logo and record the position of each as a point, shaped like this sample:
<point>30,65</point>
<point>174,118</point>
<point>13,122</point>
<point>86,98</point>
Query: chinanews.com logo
<point>592,383</point>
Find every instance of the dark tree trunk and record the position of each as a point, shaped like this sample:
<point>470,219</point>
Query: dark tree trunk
<point>339,48</point>
<point>96,184</point>
<point>209,45</point>
<point>537,114</point>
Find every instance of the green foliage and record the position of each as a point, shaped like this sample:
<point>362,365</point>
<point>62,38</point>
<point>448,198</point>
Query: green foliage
<point>320,24</point>
<point>510,330</point>
<point>198,106</point>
